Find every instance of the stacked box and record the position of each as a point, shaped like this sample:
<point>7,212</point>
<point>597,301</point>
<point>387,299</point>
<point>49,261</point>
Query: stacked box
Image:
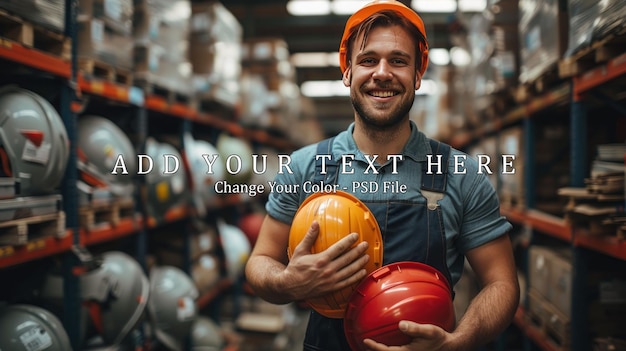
<point>116,14</point>
<point>486,151</point>
<point>268,59</point>
<point>591,20</point>
<point>104,32</point>
<point>97,42</point>
<point>506,56</point>
<point>543,28</point>
<point>550,273</point>
<point>512,184</point>
<point>49,14</point>
<point>215,51</point>
<point>160,33</point>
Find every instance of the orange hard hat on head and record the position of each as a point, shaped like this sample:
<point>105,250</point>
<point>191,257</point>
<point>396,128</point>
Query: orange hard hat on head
<point>338,214</point>
<point>398,291</point>
<point>377,6</point>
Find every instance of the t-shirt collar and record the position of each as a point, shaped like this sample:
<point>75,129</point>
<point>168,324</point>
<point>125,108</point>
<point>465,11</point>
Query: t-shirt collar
<point>416,148</point>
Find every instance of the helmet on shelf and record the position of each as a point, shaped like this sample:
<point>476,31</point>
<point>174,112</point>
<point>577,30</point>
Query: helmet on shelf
<point>237,155</point>
<point>34,146</point>
<point>203,191</point>
<point>27,327</point>
<point>338,214</point>
<point>398,291</point>
<point>172,305</point>
<point>206,335</point>
<point>165,190</point>
<point>101,142</point>
<point>377,6</point>
<point>251,224</point>
<point>206,272</point>
<point>114,295</point>
<point>236,248</point>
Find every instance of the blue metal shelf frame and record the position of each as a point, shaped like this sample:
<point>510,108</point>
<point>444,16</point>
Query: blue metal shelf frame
<point>71,286</point>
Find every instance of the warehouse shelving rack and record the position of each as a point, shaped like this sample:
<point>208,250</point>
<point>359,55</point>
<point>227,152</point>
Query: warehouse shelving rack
<point>76,92</point>
<point>574,94</point>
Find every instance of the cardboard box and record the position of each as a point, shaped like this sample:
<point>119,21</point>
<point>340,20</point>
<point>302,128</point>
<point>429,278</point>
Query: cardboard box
<point>95,41</point>
<point>117,15</point>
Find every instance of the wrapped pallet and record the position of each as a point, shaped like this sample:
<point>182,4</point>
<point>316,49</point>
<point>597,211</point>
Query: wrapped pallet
<point>48,14</point>
<point>104,34</point>
<point>591,20</point>
<point>160,31</point>
<point>543,37</point>
<point>215,51</point>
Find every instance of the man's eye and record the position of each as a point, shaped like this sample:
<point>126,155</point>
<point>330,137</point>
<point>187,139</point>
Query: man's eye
<point>398,62</point>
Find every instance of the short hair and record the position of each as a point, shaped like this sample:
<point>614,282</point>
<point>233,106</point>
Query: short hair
<point>387,18</point>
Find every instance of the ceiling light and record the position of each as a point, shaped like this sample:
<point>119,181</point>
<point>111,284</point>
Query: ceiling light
<point>460,57</point>
<point>439,57</point>
<point>310,59</point>
<point>324,88</point>
<point>308,7</point>
<point>428,87</point>
<point>440,6</point>
<point>335,88</point>
<point>333,59</point>
<point>347,7</point>
<point>472,5</point>
<point>315,59</point>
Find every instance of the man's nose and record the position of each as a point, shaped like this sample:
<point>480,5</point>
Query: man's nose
<point>383,71</point>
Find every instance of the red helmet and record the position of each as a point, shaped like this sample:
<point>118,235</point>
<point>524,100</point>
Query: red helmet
<point>338,214</point>
<point>398,291</point>
<point>250,224</point>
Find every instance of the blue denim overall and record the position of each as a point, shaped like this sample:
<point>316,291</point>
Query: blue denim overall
<point>412,231</point>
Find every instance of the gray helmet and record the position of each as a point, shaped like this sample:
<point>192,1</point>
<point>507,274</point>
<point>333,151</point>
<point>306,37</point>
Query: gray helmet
<point>172,305</point>
<point>165,190</point>
<point>203,182</point>
<point>28,328</point>
<point>115,294</point>
<point>102,142</point>
<point>237,155</point>
<point>34,141</point>
<point>206,335</point>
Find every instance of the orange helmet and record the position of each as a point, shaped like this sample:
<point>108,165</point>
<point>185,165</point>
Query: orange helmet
<point>338,215</point>
<point>399,291</point>
<point>377,6</point>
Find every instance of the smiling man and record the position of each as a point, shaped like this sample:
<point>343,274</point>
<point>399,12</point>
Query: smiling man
<point>437,219</point>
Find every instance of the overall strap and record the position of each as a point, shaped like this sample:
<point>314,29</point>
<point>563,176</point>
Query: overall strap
<point>434,181</point>
<point>325,147</point>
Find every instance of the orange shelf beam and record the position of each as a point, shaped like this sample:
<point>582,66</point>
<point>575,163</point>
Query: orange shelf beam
<point>110,90</point>
<point>206,298</point>
<point>545,223</point>
<point>609,245</point>
<point>16,52</point>
<point>108,232</point>
<point>550,98</point>
<point>534,333</point>
<point>160,104</point>
<point>35,249</point>
<point>591,79</point>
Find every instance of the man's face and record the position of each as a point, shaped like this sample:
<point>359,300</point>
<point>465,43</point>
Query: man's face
<point>382,77</point>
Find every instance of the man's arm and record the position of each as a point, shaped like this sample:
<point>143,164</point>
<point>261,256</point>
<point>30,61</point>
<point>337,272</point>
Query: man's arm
<point>278,279</point>
<point>492,310</point>
<point>488,314</point>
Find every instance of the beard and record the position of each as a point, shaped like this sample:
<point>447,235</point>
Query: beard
<point>391,119</point>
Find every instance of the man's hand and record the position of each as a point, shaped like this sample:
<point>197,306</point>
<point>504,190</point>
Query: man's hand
<point>310,275</point>
<point>424,337</point>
